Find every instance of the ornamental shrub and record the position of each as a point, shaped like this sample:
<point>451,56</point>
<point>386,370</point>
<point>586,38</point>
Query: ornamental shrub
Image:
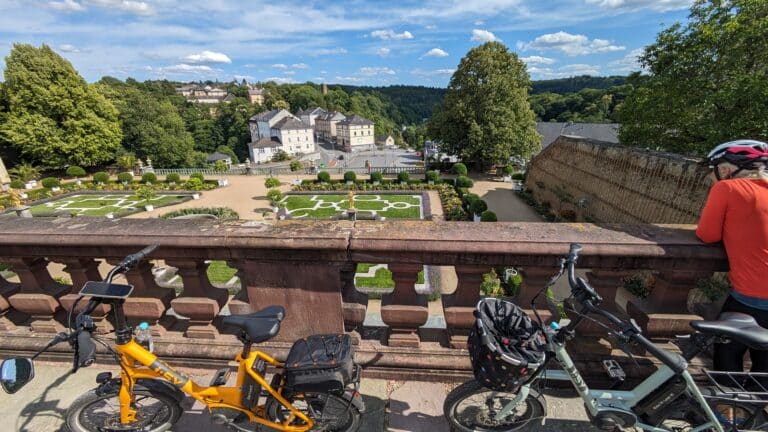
<point>101,177</point>
<point>271,182</point>
<point>460,169</point>
<point>403,177</point>
<point>173,178</point>
<point>149,178</point>
<point>75,171</point>
<point>350,176</point>
<point>518,176</point>
<point>464,182</point>
<point>17,184</point>
<point>376,177</point>
<point>51,182</point>
<point>508,170</point>
<point>194,184</point>
<point>478,206</point>
<point>433,176</point>
<point>145,193</point>
<point>469,198</point>
<point>488,216</point>
<point>296,165</point>
<point>324,177</point>
<point>197,175</point>
<point>125,177</point>
<point>274,196</point>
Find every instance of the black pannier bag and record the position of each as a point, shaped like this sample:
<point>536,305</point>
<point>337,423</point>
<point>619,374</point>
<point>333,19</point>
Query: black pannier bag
<point>320,363</point>
<point>505,346</point>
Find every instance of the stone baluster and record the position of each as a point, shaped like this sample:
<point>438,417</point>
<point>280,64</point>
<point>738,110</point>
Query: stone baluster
<point>404,310</point>
<point>82,271</point>
<point>39,294</point>
<point>148,302</point>
<point>534,279</point>
<point>7,289</point>
<point>606,283</point>
<point>664,312</point>
<point>200,301</point>
<point>354,303</point>
<point>459,306</point>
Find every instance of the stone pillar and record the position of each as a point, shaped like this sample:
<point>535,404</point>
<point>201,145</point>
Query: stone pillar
<point>39,294</point>
<point>148,301</point>
<point>7,289</point>
<point>82,271</point>
<point>664,313</point>
<point>459,306</point>
<point>309,291</point>
<point>200,301</point>
<point>354,303</point>
<point>404,310</point>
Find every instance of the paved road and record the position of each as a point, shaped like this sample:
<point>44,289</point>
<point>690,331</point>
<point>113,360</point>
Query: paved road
<point>377,158</point>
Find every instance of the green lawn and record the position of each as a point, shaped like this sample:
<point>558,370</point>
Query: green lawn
<point>101,205</point>
<point>382,279</point>
<point>220,273</point>
<point>325,206</point>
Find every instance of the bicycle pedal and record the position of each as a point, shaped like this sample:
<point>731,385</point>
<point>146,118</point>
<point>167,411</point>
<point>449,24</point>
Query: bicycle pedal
<point>220,377</point>
<point>614,370</point>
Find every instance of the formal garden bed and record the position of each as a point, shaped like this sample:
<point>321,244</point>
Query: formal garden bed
<point>104,204</point>
<point>322,206</point>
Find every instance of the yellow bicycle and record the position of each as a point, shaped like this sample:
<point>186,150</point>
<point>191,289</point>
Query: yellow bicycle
<point>315,389</point>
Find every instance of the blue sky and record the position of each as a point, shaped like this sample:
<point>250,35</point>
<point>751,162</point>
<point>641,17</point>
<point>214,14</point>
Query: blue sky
<point>362,42</point>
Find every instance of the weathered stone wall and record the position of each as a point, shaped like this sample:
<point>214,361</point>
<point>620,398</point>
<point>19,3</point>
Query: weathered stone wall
<point>603,182</point>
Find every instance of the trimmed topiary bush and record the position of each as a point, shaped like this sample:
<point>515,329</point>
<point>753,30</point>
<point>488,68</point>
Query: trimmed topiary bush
<point>173,178</point>
<point>488,216</point>
<point>219,212</point>
<point>145,193</point>
<point>149,178</point>
<point>350,176</point>
<point>194,184</point>
<point>50,182</point>
<point>460,169</point>
<point>17,184</point>
<point>376,177</point>
<point>469,198</point>
<point>518,176</point>
<point>197,175</point>
<point>433,176</point>
<point>125,177</point>
<point>403,177</point>
<point>271,182</point>
<point>101,177</point>
<point>508,170</point>
<point>274,196</point>
<point>324,177</point>
<point>478,206</point>
<point>464,182</point>
<point>75,171</point>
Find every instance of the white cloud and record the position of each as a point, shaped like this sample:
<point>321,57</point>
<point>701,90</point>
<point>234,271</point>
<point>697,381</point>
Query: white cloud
<point>628,63</point>
<point>483,36</point>
<point>382,52</point>
<point>66,6</point>
<point>581,69</point>
<point>130,6</point>
<point>435,72</point>
<point>183,67</point>
<point>329,51</point>
<point>245,77</point>
<point>537,60</point>
<point>390,34</point>
<point>570,44</point>
<point>348,79</point>
<point>564,72</point>
<point>479,23</point>
<point>280,66</point>
<point>435,52</point>
<point>208,57</point>
<point>68,48</point>
<point>370,71</point>
<point>634,5</point>
<point>299,66</point>
<point>430,27</point>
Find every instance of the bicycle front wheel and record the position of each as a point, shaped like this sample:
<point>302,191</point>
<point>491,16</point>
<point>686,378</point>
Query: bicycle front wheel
<point>471,407</point>
<point>100,412</point>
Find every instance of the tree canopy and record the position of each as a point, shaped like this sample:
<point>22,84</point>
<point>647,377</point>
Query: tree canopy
<point>51,116</point>
<point>485,116</point>
<point>708,81</point>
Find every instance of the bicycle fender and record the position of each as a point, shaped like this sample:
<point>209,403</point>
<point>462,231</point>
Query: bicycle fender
<point>153,385</point>
<point>356,399</point>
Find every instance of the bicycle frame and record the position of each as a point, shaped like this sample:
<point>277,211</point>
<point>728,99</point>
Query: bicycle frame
<point>213,397</point>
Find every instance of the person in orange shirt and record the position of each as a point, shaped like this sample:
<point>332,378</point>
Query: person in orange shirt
<point>736,213</point>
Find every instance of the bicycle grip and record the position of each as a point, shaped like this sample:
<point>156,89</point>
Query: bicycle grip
<point>573,253</point>
<point>86,349</point>
<point>140,255</point>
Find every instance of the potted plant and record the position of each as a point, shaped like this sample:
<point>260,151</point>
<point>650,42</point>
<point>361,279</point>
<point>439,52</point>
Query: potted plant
<point>323,177</point>
<point>707,297</point>
<point>76,171</point>
<point>274,196</point>
<point>146,193</point>
<point>51,183</point>
<point>100,178</point>
<point>508,170</point>
<point>125,178</point>
<point>376,178</point>
<point>477,207</point>
<point>432,177</point>
<point>403,177</point>
<point>350,177</point>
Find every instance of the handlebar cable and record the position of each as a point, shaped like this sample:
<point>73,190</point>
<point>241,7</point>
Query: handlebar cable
<point>551,282</point>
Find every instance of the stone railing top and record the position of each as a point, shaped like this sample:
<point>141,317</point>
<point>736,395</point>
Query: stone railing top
<point>448,243</point>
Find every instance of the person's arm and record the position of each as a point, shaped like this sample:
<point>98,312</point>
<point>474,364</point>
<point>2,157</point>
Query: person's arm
<point>710,229</point>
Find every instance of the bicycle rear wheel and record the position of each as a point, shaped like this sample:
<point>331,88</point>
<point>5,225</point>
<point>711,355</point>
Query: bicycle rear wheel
<point>471,407</point>
<point>686,414</point>
<point>329,412</point>
<point>100,412</point>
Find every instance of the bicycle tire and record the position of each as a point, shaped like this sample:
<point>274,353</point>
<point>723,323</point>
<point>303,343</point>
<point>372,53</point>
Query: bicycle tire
<point>336,414</point>
<point>478,421</point>
<point>687,411</point>
<point>167,412</point>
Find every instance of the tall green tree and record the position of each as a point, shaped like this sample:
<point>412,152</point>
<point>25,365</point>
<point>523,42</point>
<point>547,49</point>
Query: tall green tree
<point>52,116</point>
<point>152,127</point>
<point>485,116</point>
<point>708,80</point>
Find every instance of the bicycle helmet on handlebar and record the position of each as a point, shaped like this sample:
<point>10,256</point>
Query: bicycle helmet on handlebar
<point>505,346</point>
<point>744,154</point>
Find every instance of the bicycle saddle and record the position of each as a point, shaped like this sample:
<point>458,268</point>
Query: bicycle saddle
<point>258,326</point>
<point>737,326</point>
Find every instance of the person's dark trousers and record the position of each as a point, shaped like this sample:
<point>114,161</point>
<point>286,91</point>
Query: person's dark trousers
<point>729,357</point>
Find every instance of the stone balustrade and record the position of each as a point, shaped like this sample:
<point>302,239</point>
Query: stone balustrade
<point>308,267</point>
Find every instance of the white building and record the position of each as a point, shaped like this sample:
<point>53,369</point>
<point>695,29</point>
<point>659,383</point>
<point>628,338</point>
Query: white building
<point>309,115</point>
<point>325,125</point>
<point>279,130</point>
<point>261,124</point>
<point>256,95</point>
<point>204,94</point>
<point>264,149</point>
<point>297,137</point>
<point>355,134</point>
